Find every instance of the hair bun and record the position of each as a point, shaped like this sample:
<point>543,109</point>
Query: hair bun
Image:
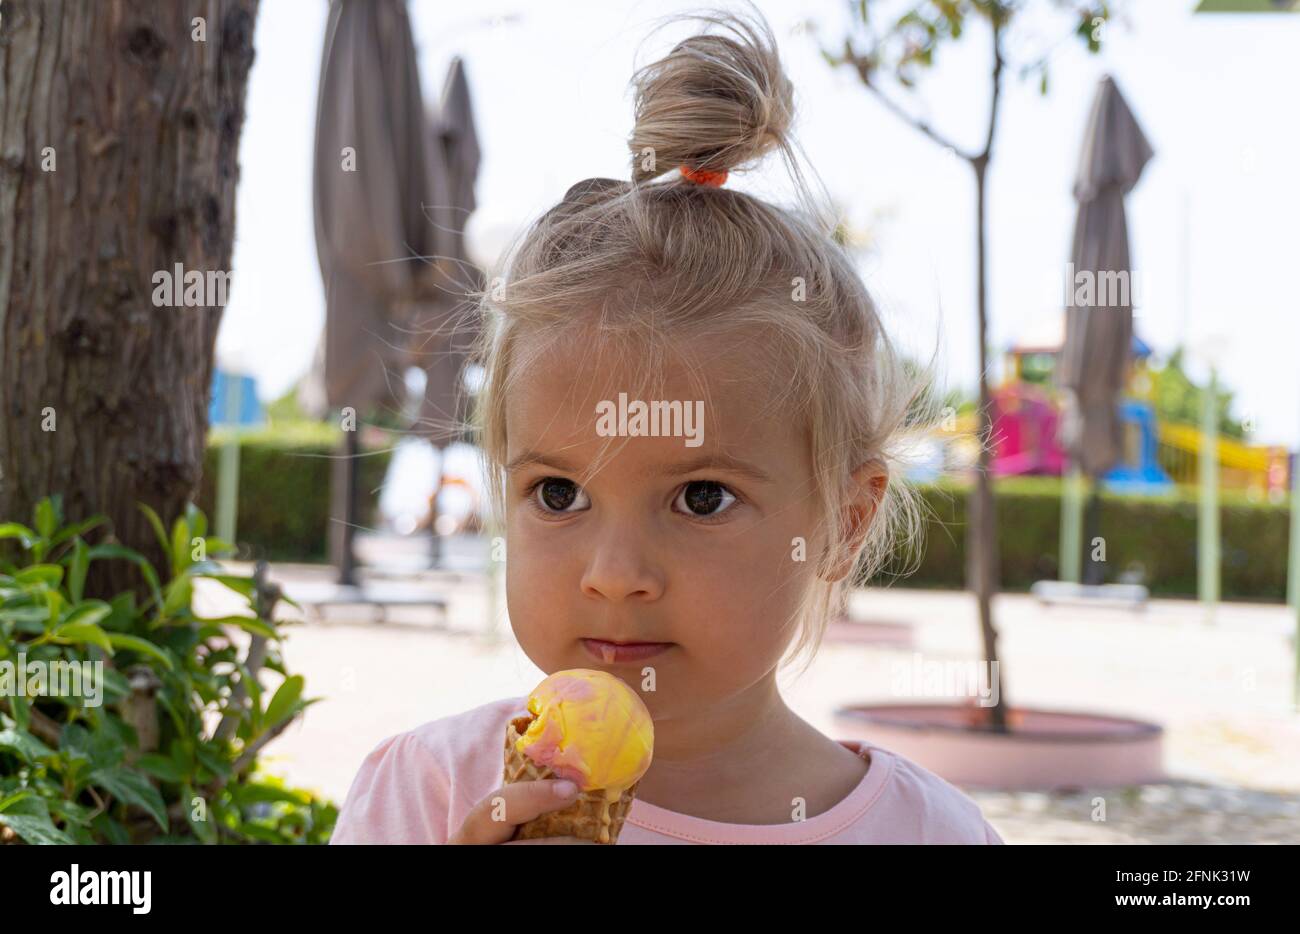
<point>715,102</point>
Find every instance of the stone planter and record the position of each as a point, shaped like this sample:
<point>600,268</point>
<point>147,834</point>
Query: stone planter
<point>1045,750</point>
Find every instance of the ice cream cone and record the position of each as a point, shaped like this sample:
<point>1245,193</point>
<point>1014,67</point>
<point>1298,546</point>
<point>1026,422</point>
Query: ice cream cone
<point>593,815</point>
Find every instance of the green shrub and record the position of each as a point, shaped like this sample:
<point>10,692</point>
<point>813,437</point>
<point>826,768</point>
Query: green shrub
<point>166,749</point>
<point>1155,533</point>
<point>284,489</point>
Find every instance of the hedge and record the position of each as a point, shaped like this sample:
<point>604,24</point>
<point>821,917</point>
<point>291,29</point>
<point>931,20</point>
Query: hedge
<point>1154,534</point>
<point>284,489</point>
<point>284,508</point>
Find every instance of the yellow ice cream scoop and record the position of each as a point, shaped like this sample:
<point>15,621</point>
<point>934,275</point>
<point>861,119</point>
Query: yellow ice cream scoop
<point>590,727</point>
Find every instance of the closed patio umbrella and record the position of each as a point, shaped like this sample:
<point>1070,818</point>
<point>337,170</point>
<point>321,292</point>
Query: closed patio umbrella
<point>445,325</point>
<point>371,183</point>
<point>1099,312</point>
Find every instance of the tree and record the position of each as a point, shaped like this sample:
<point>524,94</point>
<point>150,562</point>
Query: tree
<point>903,47</point>
<point>1178,399</point>
<point>119,138</point>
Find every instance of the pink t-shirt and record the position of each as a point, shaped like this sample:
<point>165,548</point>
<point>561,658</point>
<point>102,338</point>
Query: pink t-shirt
<point>417,787</point>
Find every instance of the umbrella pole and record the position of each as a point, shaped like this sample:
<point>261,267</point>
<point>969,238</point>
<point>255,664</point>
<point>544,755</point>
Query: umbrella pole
<point>344,495</point>
<point>435,540</point>
<point>1071,524</point>
<point>1208,550</point>
<point>1093,575</point>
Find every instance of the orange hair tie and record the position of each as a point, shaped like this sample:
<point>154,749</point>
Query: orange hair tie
<point>705,177</point>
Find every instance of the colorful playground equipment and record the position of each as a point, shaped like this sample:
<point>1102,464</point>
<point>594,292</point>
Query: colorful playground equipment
<point>1158,453</point>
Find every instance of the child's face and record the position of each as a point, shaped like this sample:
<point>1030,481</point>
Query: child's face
<point>654,548</point>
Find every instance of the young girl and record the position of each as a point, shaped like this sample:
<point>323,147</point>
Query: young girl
<point>689,554</point>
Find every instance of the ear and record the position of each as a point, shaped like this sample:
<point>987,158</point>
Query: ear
<point>868,483</point>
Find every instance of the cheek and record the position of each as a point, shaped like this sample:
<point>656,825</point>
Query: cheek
<point>759,558</point>
<point>739,593</point>
<point>537,578</point>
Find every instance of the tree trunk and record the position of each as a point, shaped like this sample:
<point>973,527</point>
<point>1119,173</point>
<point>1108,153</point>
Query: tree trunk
<point>983,529</point>
<point>119,137</point>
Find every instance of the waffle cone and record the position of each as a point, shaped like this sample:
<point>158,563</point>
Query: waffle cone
<point>590,817</point>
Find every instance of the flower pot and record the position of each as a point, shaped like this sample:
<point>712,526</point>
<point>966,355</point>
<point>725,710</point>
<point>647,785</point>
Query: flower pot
<point>1045,749</point>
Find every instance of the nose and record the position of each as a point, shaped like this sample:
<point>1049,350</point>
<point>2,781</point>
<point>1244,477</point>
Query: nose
<point>620,569</point>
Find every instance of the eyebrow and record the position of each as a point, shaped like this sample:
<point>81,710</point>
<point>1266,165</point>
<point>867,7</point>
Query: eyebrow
<point>704,462</point>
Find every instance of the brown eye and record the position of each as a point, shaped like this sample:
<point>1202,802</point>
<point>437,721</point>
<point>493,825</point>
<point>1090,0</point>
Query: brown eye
<point>705,498</point>
<point>557,494</point>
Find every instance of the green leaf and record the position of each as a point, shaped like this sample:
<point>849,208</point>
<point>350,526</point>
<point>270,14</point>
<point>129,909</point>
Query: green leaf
<point>132,788</point>
<point>116,686</point>
<point>76,529</point>
<point>121,640</point>
<point>157,529</point>
<point>282,703</point>
<point>78,563</point>
<point>196,520</point>
<point>258,832</point>
<point>161,767</point>
<point>83,633</point>
<point>25,614</point>
<point>146,569</point>
<point>22,712</point>
<point>48,515</point>
<point>28,747</point>
<point>75,741</point>
<point>110,830</point>
<point>54,600</point>
<point>256,792</point>
<point>18,531</point>
<point>243,586</point>
<point>212,758</point>
<point>218,546</point>
<point>70,811</point>
<point>49,574</point>
<point>106,748</point>
<point>180,547</point>
<point>179,594</point>
<point>91,611</point>
<point>249,624</point>
<point>30,819</point>
<point>181,751</point>
<point>15,797</point>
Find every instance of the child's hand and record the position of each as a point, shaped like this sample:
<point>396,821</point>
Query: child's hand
<point>523,802</point>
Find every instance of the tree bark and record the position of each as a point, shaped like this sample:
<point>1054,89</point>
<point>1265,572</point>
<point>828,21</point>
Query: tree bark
<point>119,137</point>
<point>983,537</point>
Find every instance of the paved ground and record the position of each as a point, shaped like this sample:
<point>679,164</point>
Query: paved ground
<point>1220,688</point>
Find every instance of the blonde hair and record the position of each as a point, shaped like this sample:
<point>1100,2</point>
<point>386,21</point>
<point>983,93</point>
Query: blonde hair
<point>645,265</point>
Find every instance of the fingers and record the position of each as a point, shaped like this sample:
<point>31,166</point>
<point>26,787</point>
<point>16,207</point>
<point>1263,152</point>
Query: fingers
<point>494,819</point>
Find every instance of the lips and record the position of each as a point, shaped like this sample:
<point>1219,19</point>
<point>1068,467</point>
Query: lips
<point>612,653</point>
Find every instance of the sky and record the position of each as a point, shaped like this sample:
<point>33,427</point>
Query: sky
<point>1212,221</point>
